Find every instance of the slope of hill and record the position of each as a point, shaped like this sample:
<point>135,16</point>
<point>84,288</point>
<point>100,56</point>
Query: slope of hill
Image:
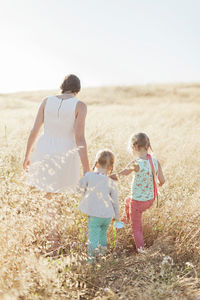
<point>170,266</point>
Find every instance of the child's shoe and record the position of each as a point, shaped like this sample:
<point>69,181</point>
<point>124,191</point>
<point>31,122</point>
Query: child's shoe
<point>141,250</point>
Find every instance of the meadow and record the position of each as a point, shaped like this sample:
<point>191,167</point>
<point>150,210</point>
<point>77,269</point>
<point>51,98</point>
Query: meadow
<point>170,266</point>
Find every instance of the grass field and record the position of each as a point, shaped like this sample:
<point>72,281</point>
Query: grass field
<point>170,267</point>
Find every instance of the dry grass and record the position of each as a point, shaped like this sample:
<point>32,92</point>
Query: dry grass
<point>169,269</point>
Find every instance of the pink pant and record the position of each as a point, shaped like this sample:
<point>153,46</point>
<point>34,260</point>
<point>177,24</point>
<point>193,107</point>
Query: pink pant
<point>134,210</point>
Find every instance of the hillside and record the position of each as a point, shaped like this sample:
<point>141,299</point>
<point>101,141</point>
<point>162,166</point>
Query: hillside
<point>170,266</point>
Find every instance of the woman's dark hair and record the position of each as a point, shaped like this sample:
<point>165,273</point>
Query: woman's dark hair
<point>71,83</point>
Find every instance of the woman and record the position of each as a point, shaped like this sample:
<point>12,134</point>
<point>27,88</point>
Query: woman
<point>55,164</point>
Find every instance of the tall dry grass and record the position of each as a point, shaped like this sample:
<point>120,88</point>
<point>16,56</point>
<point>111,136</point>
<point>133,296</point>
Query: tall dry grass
<point>169,269</point>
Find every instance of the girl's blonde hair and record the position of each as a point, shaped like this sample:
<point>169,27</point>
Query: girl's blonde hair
<point>141,140</point>
<point>105,158</point>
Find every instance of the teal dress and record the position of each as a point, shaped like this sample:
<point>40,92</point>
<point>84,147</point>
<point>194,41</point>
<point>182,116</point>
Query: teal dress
<point>142,183</point>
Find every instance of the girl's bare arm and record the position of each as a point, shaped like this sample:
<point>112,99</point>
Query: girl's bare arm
<point>79,127</point>
<point>161,177</point>
<point>131,167</point>
<point>39,120</point>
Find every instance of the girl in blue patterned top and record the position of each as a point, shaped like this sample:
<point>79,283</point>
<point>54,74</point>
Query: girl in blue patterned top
<point>143,187</point>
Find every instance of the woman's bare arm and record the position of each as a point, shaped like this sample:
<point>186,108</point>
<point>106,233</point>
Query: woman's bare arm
<point>39,120</point>
<point>79,128</point>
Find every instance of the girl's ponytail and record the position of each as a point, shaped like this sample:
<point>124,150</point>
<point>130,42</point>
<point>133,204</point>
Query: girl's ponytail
<point>141,140</point>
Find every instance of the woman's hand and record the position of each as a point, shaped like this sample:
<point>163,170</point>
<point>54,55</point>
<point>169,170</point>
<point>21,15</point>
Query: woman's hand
<point>86,171</point>
<point>33,134</point>
<point>26,164</point>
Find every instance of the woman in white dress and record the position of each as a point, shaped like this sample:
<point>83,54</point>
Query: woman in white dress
<point>55,166</point>
<point>55,163</point>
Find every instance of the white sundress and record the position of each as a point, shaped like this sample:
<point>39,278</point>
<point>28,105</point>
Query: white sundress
<point>55,163</point>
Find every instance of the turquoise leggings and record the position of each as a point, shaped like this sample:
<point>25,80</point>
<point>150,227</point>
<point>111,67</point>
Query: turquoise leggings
<point>97,234</point>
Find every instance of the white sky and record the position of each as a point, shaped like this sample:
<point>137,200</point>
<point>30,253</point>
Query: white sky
<point>104,42</point>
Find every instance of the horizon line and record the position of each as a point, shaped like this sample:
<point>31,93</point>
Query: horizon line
<point>166,83</point>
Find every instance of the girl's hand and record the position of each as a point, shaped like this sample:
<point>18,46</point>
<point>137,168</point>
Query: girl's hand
<point>133,165</point>
<point>26,164</point>
<point>113,176</point>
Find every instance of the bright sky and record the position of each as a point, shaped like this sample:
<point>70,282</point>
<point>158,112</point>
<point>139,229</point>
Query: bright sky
<point>104,42</point>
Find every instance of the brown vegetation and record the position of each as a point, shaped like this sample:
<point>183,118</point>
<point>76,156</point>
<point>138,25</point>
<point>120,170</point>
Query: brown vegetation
<point>170,267</point>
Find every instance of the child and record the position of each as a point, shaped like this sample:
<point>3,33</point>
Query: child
<point>143,187</point>
<point>100,201</point>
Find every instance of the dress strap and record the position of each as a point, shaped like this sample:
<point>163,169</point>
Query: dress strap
<point>154,178</point>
